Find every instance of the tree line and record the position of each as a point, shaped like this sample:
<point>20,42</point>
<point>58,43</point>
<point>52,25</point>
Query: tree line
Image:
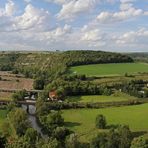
<point>134,88</point>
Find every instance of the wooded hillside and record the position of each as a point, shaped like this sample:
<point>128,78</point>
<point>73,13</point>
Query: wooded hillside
<point>53,64</point>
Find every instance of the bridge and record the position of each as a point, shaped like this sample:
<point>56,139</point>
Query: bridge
<point>27,103</point>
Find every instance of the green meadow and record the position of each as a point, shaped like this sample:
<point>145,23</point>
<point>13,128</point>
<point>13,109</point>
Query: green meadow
<point>99,98</point>
<point>110,69</point>
<point>82,121</point>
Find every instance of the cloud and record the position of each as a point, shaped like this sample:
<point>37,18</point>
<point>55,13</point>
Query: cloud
<point>134,37</point>
<point>58,1</point>
<point>125,6</point>
<point>127,11</point>
<point>92,35</point>
<point>126,1</point>
<point>62,31</point>
<point>27,1</point>
<point>75,7</point>
<point>146,13</point>
<point>34,40</point>
<point>32,19</point>
<point>10,8</point>
<point>35,28</point>
<point>6,16</point>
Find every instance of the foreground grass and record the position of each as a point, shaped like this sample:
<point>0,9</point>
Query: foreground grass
<point>82,121</point>
<point>110,69</point>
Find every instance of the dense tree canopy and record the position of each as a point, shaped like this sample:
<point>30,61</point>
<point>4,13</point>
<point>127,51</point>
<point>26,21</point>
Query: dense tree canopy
<point>19,121</point>
<point>115,138</point>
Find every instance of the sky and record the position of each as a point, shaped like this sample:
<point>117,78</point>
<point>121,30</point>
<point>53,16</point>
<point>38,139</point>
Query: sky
<point>109,25</point>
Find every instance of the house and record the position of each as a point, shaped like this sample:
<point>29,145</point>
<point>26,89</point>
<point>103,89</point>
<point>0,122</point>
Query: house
<point>26,98</point>
<point>53,96</point>
<point>33,97</point>
<point>142,92</point>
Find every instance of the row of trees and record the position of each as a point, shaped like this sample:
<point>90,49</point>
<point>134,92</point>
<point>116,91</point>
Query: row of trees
<point>134,88</point>
<point>84,57</point>
<point>74,88</point>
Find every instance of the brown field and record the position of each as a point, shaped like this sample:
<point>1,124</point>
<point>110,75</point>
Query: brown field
<point>5,96</point>
<point>12,81</point>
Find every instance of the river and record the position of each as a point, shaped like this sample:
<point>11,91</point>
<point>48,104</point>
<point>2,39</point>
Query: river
<point>33,121</point>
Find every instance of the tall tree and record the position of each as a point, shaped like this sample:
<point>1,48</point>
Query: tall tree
<point>19,120</point>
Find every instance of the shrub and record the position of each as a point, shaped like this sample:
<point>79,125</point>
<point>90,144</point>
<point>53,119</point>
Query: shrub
<point>100,121</point>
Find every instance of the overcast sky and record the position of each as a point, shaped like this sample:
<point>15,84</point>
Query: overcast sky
<point>112,25</point>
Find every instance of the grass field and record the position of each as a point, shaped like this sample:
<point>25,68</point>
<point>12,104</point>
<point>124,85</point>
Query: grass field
<point>110,69</point>
<point>100,98</point>
<point>3,114</point>
<point>83,120</point>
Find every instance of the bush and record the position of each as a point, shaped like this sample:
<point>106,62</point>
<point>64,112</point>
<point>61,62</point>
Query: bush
<point>139,142</point>
<point>73,142</point>
<point>15,71</point>
<point>18,96</point>
<point>38,84</point>
<point>60,133</point>
<point>100,121</point>
<point>115,138</point>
